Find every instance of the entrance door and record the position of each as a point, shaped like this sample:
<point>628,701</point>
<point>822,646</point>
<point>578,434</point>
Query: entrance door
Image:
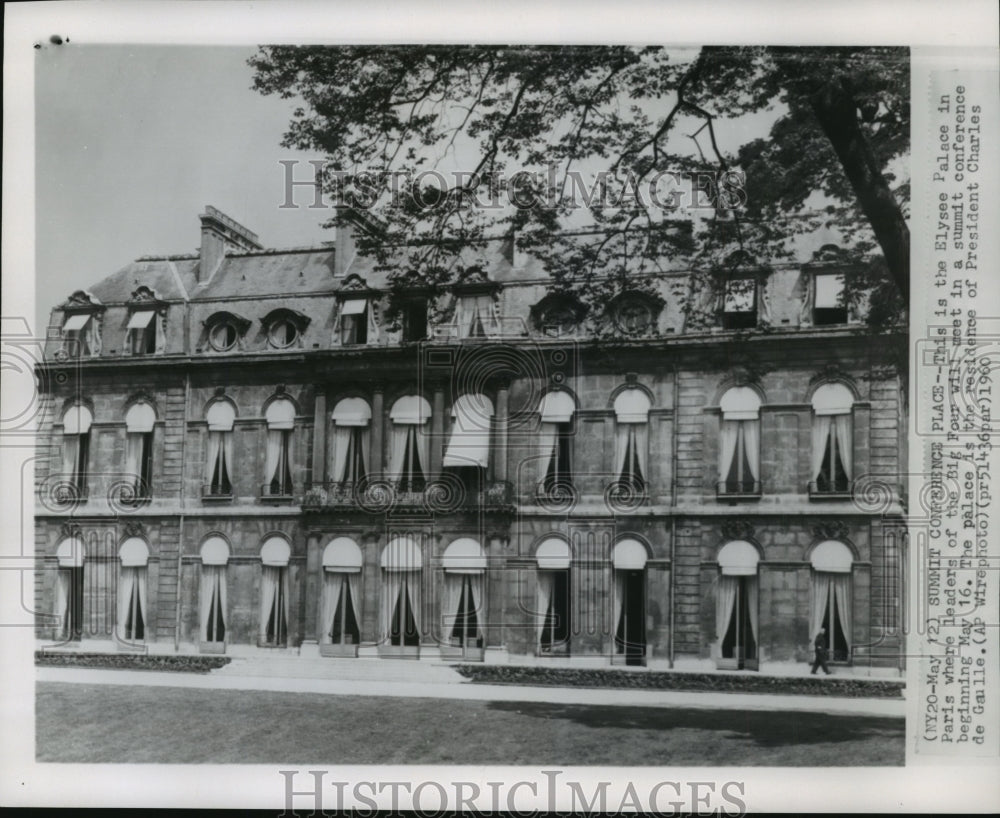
<point>630,632</point>
<point>740,643</point>
<point>465,633</point>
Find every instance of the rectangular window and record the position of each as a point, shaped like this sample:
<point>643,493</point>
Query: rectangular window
<point>739,307</point>
<point>274,606</point>
<point>220,448</point>
<point>475,316</point>
<point>139,462</point>
<point>411,475</point>
<point>80,337</point>
<point>828,304</point>
<point>354,321</point>
<point>631,442</point>
<point>740,442</point>
<point>142,332</point>
<point>559,471</point>
<point>76,454</point>
<point>553,589</point>
<point>278,455</point>
<point>414,319</point>
<point>213,603</point>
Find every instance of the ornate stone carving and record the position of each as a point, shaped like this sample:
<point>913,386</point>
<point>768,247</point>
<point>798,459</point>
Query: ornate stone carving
<point>737,529</point>
<point>830,530</point>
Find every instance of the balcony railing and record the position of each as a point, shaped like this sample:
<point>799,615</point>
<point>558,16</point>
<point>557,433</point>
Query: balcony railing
<point>277,493</point>
<point>379,496</point>
<point>731,490</point>
<point>213,492</point>
<point>826,490</point>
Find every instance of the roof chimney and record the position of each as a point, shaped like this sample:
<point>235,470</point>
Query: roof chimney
<point>221,235</point>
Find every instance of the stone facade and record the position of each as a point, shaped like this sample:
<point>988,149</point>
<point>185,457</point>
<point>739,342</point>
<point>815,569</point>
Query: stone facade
<point>681,519</point>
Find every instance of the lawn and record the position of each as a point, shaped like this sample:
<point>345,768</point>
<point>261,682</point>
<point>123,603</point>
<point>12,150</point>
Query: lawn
<point>118,724</point>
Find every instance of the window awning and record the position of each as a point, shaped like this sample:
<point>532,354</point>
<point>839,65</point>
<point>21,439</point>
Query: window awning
<point>214,551</point>
<point>275,552</point>
<point>832,556</point>
<point>140,417</point>
<point>740,403</point>
<point>738,558</point>
<point>557,407</point>
<point>77,420</point>
<point>464,556</point>
<point>470,435</point>
<point>134,553</point>
<point>829,289</point>
<point>629,555</point>
<point>832,399</point>
<point>76,322</point>
<point>352,412</point>
<point>220,416</point>
<point>343,556</point>
<point>70,553</point>
<point>354,306</point>
<point>280,414</point>
<point>632,406</point>
<point>401,554</point>
<point>140,319</point>
<point>553,554</point>
<point>411,409</point>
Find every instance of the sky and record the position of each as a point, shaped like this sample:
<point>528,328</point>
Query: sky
<point>133,141</point>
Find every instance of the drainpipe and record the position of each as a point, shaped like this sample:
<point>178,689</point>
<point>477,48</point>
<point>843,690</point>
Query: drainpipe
<point>673,510</point>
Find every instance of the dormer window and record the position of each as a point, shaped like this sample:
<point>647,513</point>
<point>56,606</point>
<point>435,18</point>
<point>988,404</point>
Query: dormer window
<point>558,315</point>
<point>143,332</point>
<point>81,335</point>
<point>829,306</point>
<point>357,322</point>
<point>634,313</point>
<point>739,303</point>
<point>285,328</point>
<point>476,316</point>
<point>414,319</point>
<point>225,330</point>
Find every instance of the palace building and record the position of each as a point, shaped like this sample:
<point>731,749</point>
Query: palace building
<point>239,453</point>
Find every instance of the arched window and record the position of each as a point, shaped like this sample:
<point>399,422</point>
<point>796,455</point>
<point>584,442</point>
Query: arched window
<point>76,447</point>
<point>280,416</point>
<point>632,438</point>
<point>831,596</point>
<point>139,420</point>
<point>213,609</point>
<point>736,605</point>
<point>464,565</point>
<point>340,614</point>
<point>351,440</point>
<point>132,612</point>
<point>832,440</point>
<point>555,441</point>
<point>69,589</point>
<point>221,416</point>
<point>553,593</point>
<point>399,612</point>
<point>410,446</point>
<point>629,560</point>
<point>274,556</point>
<point>739,443</point>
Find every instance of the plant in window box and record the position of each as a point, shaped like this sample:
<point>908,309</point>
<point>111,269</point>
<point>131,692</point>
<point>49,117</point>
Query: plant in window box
<point>315,496</point>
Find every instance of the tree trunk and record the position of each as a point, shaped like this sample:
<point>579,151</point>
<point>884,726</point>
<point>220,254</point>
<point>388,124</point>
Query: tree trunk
<point>836,111</point>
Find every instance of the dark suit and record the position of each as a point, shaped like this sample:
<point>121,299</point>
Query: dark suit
<point>819,644</point>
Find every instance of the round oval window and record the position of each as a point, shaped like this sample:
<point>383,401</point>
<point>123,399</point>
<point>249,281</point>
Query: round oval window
<point>224,336</point>
<point>283,333</point>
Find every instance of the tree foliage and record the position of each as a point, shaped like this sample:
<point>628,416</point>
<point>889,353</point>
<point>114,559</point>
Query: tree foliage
<point>817,134</point>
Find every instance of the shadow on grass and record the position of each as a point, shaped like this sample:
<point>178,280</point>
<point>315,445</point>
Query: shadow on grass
<point>764,728</point>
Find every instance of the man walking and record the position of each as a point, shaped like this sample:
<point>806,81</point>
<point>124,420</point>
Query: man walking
<point>819,644</point>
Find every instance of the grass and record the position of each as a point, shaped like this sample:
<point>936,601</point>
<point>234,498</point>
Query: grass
<point>79,723</point>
